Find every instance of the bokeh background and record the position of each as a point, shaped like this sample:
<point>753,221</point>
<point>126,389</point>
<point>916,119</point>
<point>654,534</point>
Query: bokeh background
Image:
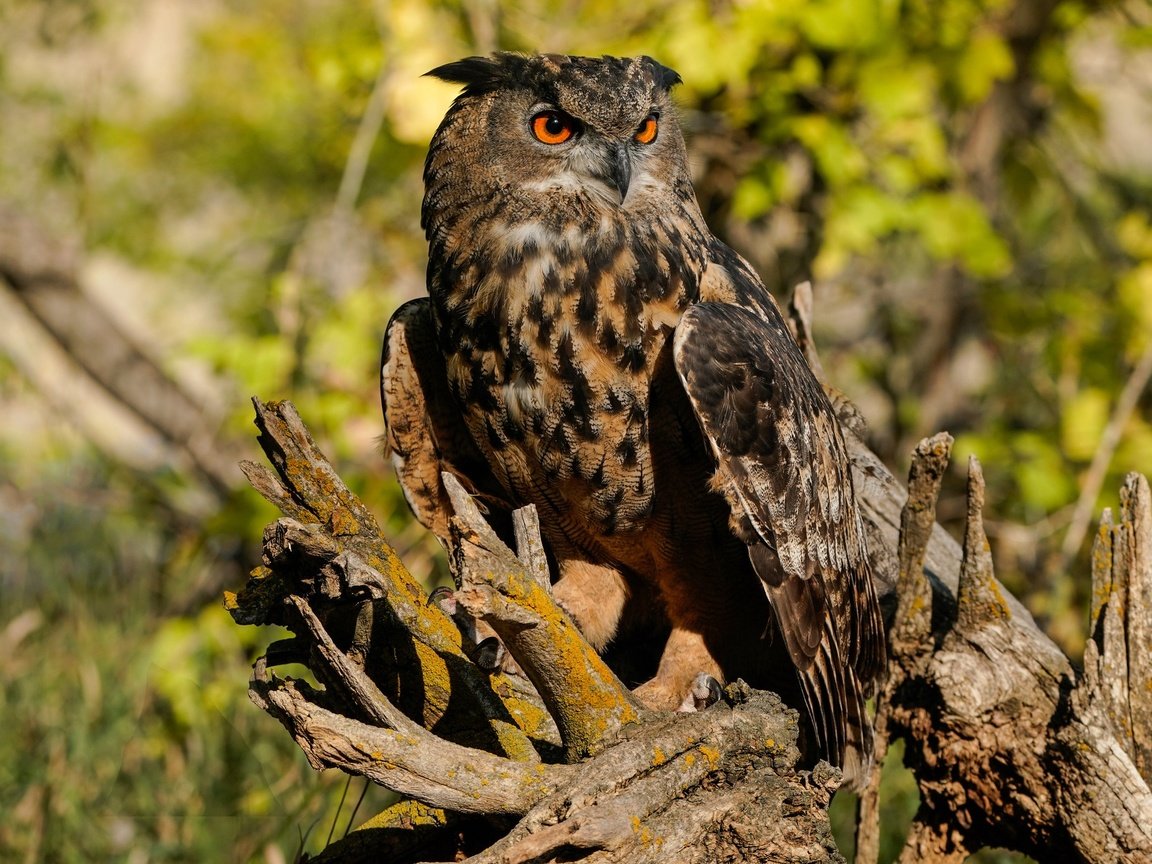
<point>225,197</point>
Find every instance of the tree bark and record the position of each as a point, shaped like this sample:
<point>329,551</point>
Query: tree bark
<point>1010,745</point>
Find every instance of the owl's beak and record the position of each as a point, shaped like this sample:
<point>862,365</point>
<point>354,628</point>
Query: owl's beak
<point>621,171</point>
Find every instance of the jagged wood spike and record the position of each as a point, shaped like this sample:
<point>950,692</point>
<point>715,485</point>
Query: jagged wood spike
<point>1115,685</point>
<point>913,622</point>
<point>1136,509</point>
<point>978,597</point>
<point>306,473</point>
<point>1101,590</point>
<point>1106,654</point>
<point>800,313</point>
<point>1101,574</point>
<point>529,546</point>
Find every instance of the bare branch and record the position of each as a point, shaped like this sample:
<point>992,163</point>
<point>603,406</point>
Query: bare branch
<point>432,672</point>
<point>415,764</point>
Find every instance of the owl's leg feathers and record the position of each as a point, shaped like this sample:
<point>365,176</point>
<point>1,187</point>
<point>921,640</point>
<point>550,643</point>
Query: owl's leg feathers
<point>686,659</point>
<point>594,596</point>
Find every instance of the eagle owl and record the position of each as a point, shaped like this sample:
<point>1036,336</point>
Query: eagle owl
<point>589,347</point>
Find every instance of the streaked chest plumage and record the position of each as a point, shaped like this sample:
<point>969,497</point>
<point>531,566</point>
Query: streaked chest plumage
<point>553,335</point>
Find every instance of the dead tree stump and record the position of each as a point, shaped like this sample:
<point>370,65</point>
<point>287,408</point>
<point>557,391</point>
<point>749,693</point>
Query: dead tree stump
<point>1011,746</point>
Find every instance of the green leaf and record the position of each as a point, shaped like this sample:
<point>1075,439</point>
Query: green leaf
<point>985,60</point>
<point>895,86</point>
<point>953,226</point>
<point>1082,423</point>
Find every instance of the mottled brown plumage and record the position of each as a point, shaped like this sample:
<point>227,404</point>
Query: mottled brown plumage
<point>589,347</point>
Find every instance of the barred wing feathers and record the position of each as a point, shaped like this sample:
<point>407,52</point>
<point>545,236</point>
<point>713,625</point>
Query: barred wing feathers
<point>782,465</point>
<point>425,433</point>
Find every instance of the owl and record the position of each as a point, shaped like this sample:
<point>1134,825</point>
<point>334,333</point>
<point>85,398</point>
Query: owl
<point>589,347</point>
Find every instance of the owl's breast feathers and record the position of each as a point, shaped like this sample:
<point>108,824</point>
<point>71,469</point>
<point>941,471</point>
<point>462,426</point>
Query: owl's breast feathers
<point>553,335</point>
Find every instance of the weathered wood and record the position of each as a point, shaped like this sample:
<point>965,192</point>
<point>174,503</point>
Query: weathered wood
<point>432,670</point>
<point>414,763</point>
<point>718,785</point>
<point>1004,750</point>
<point>913,622</point>
<point>979,597</point>
<point>1136,512</point>
<point>1009,745</point>
<point>639,790</point>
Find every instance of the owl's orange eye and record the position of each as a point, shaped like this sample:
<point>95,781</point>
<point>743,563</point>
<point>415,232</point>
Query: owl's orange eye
<point>646,133</point>
<point>553,127</point>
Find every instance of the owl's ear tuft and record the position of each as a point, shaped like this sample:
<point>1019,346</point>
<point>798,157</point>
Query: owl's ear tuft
<point>666,78</point>
<point>477,74</point>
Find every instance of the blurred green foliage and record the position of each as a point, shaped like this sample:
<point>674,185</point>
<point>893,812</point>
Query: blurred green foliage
<point>951,172</point>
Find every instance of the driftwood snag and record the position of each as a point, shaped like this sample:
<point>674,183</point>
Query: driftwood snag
<point>1010,745</point>
<point>559,763</point>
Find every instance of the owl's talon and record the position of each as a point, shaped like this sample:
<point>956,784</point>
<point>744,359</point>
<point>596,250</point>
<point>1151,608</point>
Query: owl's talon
<point>445,598</point>
<point>704,692</point>
<point>489,654</point>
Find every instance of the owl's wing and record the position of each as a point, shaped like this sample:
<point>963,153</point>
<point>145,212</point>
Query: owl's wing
<point>424,435</point>
<point>783,467</point>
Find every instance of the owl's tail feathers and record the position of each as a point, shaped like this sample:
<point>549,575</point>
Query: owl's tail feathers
<point>856,761</point>
<point>834,698</point>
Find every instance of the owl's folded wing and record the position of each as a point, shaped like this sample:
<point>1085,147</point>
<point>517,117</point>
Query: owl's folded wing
<point>782,466</point>
<point>425,434</point>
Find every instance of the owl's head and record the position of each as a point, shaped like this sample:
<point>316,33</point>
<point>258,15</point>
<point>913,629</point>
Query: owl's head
<point>593,131</point>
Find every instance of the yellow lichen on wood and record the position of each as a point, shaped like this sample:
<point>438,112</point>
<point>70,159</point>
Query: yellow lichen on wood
<point>711,754</point>
<point>342,523</point>
<point>531,717</point>
<point>405,814</point>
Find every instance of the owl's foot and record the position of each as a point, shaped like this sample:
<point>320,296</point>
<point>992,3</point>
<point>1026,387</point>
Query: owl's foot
<point>481,644</point>
<point>705,691</point>
<point>688,678</point>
